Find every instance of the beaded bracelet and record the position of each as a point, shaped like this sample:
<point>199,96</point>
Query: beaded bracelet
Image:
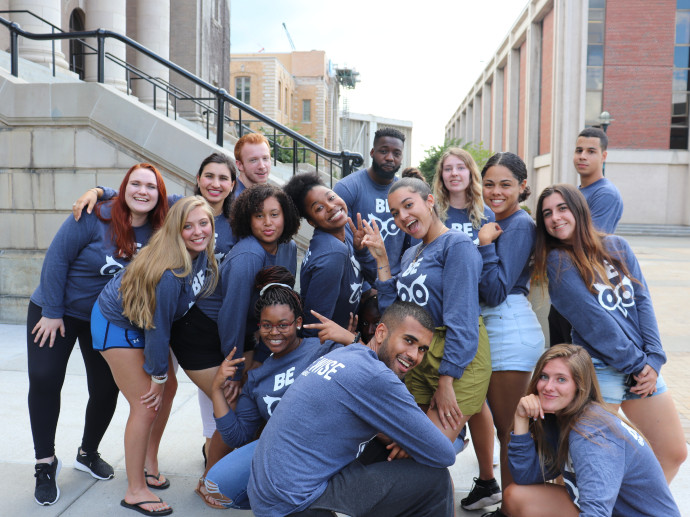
<point>159,379</point>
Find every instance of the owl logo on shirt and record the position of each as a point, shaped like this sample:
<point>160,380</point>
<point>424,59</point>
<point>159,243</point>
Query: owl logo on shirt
<point>356,287</point>
<point>388,227</point>
<point>417,291</point>
<point>620,297</point>
<point>111,266</point>
<point>271,403</point>
<point>570,481</point>
<point>306,258</point>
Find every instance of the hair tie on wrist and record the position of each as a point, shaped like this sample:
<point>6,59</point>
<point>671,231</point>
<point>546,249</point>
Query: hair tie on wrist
<point>263,290</point>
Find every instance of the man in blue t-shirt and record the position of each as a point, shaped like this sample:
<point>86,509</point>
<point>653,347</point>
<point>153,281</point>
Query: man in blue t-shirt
<point>365,192</point>
<point>321,452</point>
<point>604,201</point>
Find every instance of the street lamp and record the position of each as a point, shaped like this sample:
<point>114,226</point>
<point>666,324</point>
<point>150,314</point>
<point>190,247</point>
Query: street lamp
<point>605,119</point>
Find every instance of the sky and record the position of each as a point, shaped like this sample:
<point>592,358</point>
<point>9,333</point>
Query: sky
<point>417,60</point>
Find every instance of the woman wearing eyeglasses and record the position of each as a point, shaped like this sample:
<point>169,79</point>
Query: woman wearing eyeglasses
<point>279,311</point>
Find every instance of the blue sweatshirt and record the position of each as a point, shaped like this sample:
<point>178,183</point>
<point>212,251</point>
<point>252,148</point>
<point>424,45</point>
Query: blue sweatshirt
<point>457,219</point>
<point>605,204</point>
<point>174,297</point>
<point>444,281</point>
<point>236,292</point>
<point>80,261</point>
<point>506,268</point>
<point>611,470</point>
<point>265,387</point>
<point>363,196</point>
<point>224,237</point>
<point>330,279</point>
<point>619,329</point>
<point>325,420</point>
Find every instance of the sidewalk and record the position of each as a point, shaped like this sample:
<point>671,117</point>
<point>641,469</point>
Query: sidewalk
<point>664,260</point>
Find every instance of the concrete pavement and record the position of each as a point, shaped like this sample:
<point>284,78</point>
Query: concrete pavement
<point>665,262</point>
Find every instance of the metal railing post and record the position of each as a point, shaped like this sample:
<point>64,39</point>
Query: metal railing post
<point>101,55</point>
<point>221,117</point>
<point>14,50</point>
<point>52,30</point>
<point>294,156</point>
<point>346,164</point>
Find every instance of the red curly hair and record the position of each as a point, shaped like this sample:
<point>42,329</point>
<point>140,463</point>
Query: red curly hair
<point>120,221</point>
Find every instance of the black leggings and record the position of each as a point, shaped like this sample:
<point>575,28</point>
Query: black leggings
<point>47,368</point>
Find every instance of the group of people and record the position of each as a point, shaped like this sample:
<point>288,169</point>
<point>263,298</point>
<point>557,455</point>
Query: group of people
<point>412,320</point>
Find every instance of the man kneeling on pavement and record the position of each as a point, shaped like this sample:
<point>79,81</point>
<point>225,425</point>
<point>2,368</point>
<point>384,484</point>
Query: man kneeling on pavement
<point>320,453</point>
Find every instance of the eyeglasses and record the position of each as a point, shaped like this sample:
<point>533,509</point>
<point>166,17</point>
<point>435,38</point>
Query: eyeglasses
<point>280,327</point>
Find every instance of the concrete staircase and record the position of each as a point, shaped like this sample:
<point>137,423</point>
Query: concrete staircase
<point>653,229</point>
<point>60,136</point>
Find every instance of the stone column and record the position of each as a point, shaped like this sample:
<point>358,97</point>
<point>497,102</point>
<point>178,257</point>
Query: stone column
<point>34,50</point>
<point>110,15</point>
<point>149,23</point>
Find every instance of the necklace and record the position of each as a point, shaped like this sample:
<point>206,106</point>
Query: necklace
<point>422,248</point>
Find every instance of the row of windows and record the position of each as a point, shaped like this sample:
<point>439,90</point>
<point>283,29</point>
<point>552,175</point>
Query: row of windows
<point>243,93</point>
<point>681,69</point>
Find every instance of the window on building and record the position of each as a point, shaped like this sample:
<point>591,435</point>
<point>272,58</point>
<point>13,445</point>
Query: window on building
<point>280,95</point>
<point>286,101</point>
<point>681,70</point>
<point>306,110</point>
<point>242,89</point>
<point>595,62</point>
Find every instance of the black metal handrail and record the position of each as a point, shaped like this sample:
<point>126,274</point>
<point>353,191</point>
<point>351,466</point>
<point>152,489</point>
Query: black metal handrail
<point>348,160</point>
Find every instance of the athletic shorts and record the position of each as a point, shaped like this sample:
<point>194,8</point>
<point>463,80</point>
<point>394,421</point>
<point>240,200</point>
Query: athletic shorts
<point>470,389</point>
<point>106,335</point>
<point>195,341</point>
<point>515,335</point>
<point>612,383</point>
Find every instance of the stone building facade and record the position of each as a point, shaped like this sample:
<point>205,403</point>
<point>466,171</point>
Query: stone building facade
<point>560,66</point>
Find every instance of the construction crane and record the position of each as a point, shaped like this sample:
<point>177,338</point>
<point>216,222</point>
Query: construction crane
<point>288,36</point>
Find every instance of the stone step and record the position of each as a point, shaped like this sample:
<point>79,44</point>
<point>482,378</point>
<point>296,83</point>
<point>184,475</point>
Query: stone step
<point>668,230</point>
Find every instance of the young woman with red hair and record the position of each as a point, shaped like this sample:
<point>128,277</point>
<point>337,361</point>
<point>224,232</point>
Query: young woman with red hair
<point>82,258</point>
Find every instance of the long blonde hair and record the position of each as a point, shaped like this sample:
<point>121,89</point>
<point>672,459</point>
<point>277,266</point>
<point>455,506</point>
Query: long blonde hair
<point>166,251</point>
<point>473,193</point>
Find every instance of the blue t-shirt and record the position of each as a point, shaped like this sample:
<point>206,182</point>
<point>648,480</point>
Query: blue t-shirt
<point>368,198</point>
<point>264,388</point>
<point>232,304</point>
<point>605,204</point>
<point>326,419</point>
<point>457,219</point>
<point>611,470</point>
<point>80,261</point>
<point>330,279</point>
<point>443,279</point>
<point>617,326</point>
<point>174,297</point>
<point>507,268</point>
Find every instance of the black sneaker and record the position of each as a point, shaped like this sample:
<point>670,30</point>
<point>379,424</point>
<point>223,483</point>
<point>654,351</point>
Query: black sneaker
<point>47,491</point>
<point>92,463</point>
<point>483,494</point>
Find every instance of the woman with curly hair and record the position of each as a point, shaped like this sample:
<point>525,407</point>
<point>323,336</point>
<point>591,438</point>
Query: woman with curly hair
<point>331,277</point>
<point>562,427</point>
<point>80,261</point>
<point>280,315</point>
<point>596,283</point>
<point>131,323</point>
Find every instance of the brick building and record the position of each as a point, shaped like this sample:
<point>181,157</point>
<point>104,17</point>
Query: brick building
<point>298,89</point>
<point>565,62</point>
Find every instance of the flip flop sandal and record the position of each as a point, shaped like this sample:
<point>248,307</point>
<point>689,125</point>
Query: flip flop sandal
<point>161,486</point>
<point>137,507</point>
<point>208,499</point>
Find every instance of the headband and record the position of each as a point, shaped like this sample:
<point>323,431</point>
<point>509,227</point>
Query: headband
<point>272,284</point>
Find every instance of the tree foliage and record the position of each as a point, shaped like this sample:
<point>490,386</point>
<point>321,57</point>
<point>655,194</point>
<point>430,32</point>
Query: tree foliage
<point>434,153</point>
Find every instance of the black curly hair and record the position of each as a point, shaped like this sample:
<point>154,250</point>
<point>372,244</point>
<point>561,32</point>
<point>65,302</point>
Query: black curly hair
<point>277,294</point>
<point>251,201</point>
<point>514,164</point>
<point>389,131</point>
<point>299,186</point>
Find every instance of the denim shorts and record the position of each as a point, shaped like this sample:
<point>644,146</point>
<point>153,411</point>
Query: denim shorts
<point>612,383</point>
<point>515,335</point>
<point>107,335</point>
